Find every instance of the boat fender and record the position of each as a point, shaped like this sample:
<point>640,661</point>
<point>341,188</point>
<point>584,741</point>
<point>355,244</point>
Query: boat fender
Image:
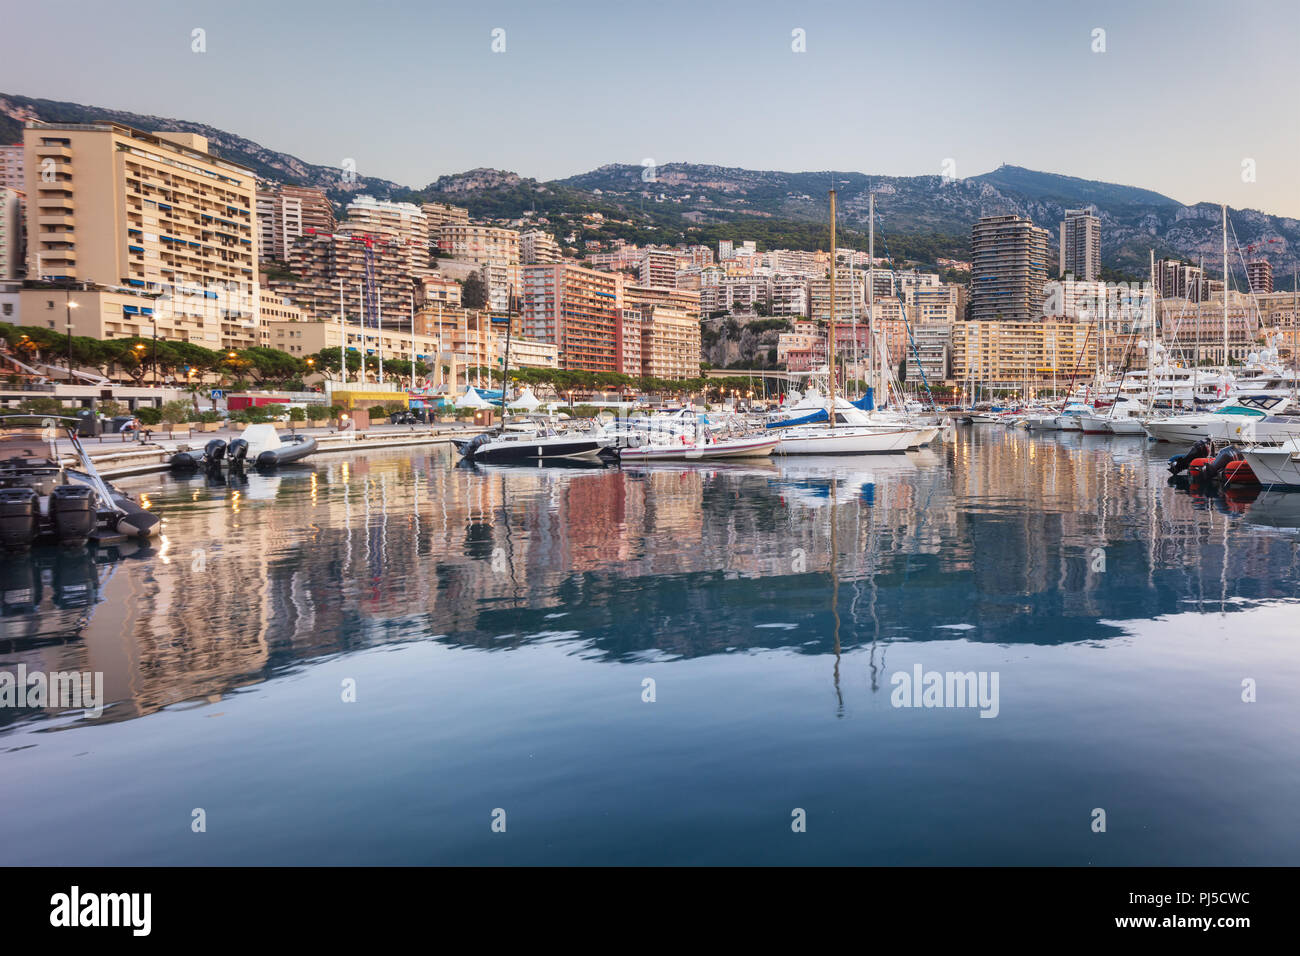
<point>184,461</point>
<point>267,460</point>
<point>135,522</point>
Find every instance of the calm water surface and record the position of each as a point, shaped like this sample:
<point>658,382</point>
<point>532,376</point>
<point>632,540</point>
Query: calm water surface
<point>498,626</point>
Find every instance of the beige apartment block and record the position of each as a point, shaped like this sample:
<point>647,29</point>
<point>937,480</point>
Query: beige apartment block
<point>11,233</point>
<point>670,343</point>
<point>1008,354</point>
<point>114,206</point>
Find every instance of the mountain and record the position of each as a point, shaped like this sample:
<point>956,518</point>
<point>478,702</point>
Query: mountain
<point>917,217</point>
<point>266,163</point>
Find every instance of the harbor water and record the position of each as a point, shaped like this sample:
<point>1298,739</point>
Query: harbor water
<point>398,659</point>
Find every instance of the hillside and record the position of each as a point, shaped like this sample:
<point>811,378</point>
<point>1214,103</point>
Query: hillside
<point>917,217</point>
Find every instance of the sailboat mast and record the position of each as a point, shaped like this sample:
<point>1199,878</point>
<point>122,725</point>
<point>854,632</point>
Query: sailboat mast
<point>871,292</point>
<point>1225,299</point>
<point>830,341</point>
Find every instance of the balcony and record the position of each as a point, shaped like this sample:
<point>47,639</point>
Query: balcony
<point>57,151</point>
<point>55,202</point>
<point>59,220</point>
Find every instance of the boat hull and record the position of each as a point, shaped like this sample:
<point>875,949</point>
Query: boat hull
<point>845,441</point>
<point>720,450</point>
<point>504,453</point>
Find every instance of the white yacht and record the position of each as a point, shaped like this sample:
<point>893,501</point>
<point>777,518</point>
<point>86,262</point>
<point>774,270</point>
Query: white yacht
<point>1234,420</point>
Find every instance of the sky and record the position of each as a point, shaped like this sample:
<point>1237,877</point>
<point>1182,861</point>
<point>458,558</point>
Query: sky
<point>1193,99</point>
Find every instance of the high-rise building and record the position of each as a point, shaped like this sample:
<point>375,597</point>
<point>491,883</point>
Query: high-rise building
<point>439,214</point>
<point>328,264</point>
<point>404,221</point>
<point>1181,280</point>
<point>1008,269</point>
<point>659,268</point>
<point>1081,244</point>
<point>538,248</point>
<point>579,310</point>
<point>11,233</point>
<point>284,213</point>
<point>670,343</point>
<point>11,168</point>
<point>117,206</point>
<point>1260,274</point>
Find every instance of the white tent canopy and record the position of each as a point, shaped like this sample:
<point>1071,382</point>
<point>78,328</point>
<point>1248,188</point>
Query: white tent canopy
<point>526,400</point>
<point>471,399</point>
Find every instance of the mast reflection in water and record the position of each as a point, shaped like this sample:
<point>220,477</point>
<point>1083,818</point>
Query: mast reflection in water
<point>497,627</point>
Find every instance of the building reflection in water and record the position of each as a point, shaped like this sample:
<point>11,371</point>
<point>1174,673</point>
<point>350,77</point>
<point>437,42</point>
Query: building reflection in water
<point>999,536</point>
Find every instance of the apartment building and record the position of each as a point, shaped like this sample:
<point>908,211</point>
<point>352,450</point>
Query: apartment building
<point>934,304</point>
<point>371,274</point>
<point>659,268</point>
<point>1193,332</point>
<point>11,168</point>
<point>440,290</point>
<point>115,206</point>
<point>787,295</point>
<point>1081,244</point>
<point>526,353</point>
<point>1009,354</point>
<point>686,300</point>
<point>740,296</point>
<point>1259,272</point>
<point>931,360</point>
<point>850,296</point>
<point>538,248</point>
<point>798,262</point>
<point>630,343</point>
<point>479,244</point>
<point>1181,280</point>
<point>403,221</point>
<point>1008,269</point>
<point>577,309</point>
<point>11,233</point>
<point>670,343</point>
<point>438,214</point>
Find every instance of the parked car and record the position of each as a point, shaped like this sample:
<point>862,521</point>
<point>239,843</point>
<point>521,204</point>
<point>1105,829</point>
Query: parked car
<point>403,418</point>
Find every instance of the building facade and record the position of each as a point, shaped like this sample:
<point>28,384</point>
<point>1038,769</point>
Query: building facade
<point>1008,269</point>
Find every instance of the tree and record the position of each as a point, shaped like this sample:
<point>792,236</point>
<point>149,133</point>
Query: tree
<point>474,294</point>
<point>175,412</point>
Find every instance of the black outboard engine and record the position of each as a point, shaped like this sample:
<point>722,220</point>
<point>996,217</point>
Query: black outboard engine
<point>475,443</point>
<point>1215,468</point>
<point>72,509</point>
<point>184,462</point>
<point>237,453</point>
<point>20,517</point>
<point>1200,450</point>
<point>213,452</point>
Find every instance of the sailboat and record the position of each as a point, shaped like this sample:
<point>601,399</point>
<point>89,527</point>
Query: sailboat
<point>839,427</point>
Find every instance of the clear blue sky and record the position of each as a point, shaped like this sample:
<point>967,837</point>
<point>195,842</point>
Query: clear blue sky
<point>1184,92</point>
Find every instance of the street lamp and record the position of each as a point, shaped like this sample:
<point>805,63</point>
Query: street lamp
<point>69,306</point>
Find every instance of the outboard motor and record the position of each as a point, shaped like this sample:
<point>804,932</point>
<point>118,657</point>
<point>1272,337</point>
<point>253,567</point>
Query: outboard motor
<point>72,509</point>
<point>475,443</point>
<point>20,517</point>
<point>213,452</point>
<point>184,462</point>
<point>1215,468</point>
<point>237,451</point>
<point>1200,450</point>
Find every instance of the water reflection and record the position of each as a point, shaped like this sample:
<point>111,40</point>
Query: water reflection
<point>997,537</point>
